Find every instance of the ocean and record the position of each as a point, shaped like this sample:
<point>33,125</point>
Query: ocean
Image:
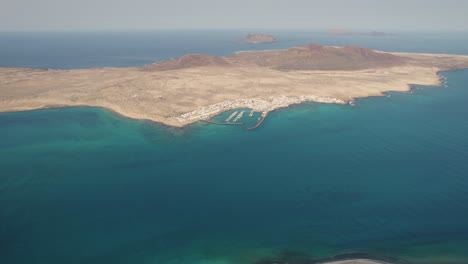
<point>386,178</point>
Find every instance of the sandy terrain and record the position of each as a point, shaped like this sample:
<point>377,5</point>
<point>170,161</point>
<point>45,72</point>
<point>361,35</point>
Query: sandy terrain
<point>197,87</point>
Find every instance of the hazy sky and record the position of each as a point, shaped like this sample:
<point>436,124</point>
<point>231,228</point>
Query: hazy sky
<point>243,14</point>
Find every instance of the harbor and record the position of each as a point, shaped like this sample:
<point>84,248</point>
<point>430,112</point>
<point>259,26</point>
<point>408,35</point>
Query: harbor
<point>240,117</point>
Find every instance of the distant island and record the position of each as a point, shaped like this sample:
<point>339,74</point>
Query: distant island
<point>258,39</point>
<point>197,87</point>
<point>344,32</point>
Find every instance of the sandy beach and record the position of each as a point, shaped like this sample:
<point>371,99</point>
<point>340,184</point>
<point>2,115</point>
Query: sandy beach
<point>200,88</point>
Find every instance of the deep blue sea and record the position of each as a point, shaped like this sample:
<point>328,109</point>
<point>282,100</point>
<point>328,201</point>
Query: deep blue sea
<point>384,179</point>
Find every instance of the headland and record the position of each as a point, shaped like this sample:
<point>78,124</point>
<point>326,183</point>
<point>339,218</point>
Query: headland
<point>197,87</point>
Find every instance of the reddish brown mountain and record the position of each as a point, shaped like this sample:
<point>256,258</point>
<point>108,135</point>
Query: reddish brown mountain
<point>189,61</point>
<point>317,57</point>
<point>310,57</point>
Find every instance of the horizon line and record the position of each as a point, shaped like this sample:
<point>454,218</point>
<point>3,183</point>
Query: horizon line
<point>357,30</point>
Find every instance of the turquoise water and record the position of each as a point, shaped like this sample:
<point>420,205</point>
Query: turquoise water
<point>386,177</point>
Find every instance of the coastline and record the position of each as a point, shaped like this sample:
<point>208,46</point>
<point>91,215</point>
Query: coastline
<point>197,115</point>
<point>206,113</point>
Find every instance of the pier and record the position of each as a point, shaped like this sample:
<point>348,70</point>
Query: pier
<point>231,116</point>
<point>239,116</point>
<point>260,122</point>
<point>223,123</point>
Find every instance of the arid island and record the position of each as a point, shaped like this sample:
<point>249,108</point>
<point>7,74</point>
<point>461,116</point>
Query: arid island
<point>258,39</point>
<point>197,87</point>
